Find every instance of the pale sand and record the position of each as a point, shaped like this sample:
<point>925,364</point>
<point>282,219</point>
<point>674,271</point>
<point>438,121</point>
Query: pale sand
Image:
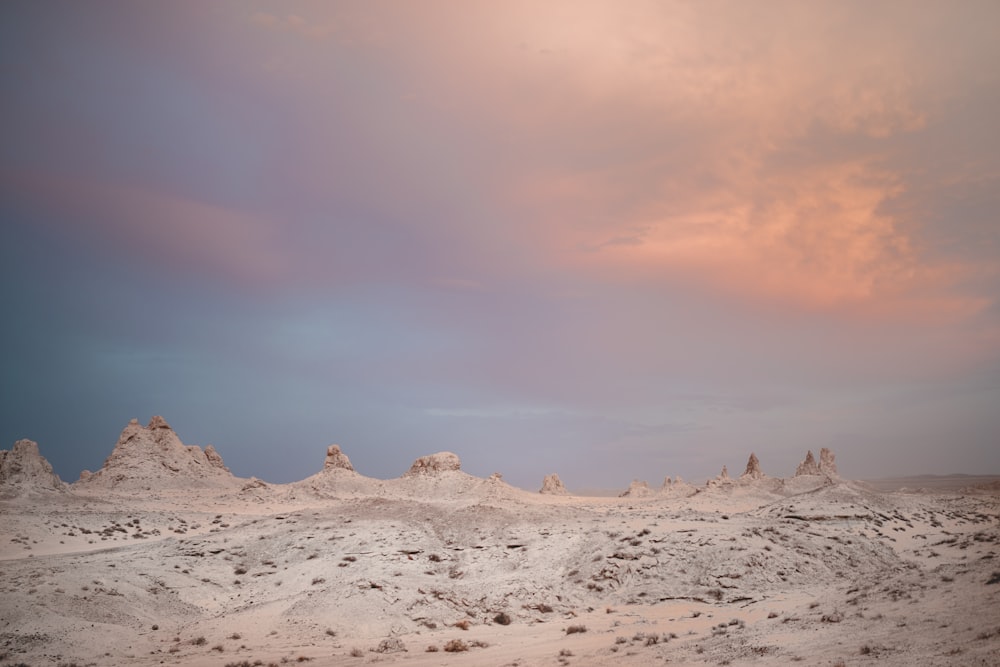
<point>740,574</point>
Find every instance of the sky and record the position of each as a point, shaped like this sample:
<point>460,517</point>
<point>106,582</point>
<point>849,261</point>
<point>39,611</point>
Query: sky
<point>612,240</point>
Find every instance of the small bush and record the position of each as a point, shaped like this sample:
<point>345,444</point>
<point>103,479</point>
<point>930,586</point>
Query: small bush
<point>462,625</point>
<point>432,649</point>
<point>503,618</point>
<point>199,641</point>
<point>318,580</point>
<point>574,629</point>
<point>456,646</point>
<point>357,653</point>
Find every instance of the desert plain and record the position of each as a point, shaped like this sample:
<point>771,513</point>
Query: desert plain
<point>163,557</point>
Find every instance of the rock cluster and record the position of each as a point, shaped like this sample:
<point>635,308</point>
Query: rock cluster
<point>826,465</point>
<point>637,489</point>
<point>435,463</point>
<point>23,468</point>
<point>553,486</point>
<point>153,457</point>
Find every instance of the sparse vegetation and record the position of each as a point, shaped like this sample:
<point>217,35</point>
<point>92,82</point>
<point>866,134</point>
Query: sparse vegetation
<point>456,646</point>
<point>574,629</point>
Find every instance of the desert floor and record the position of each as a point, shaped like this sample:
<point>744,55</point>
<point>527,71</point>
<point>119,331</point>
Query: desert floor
<point>742,574</point>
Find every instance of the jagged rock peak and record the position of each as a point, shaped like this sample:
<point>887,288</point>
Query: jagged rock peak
<point>808,466</point>
<point>336,459</point>
<point>156,422</point>
<point>724,475</point>
<point>24,467</point>
<point>753,470</point>
<point>637,489</point>
<point>826,464</point>
<point>214,458</point>
<point>435,463</point>
<point>553,486</point>
<point>153,458</point>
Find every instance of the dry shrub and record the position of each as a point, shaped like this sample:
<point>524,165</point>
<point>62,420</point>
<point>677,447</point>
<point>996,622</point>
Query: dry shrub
<point>574,629</point>
<point>456,646</point>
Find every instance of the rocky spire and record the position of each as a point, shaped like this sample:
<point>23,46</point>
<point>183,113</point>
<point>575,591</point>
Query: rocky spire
<point>552,485</point>
<point>23,468</point>
<point>808,466</point>
<point>826,464</point>
<point>753,470</point>
<point>336,459</point>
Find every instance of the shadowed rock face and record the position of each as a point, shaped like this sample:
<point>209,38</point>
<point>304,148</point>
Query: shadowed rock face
<point>435,463</point>
<point>23,468</point>
<point>336,459</point>
<point>552,485</point>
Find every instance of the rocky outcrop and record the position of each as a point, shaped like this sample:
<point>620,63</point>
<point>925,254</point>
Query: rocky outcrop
<point>336,459</point>
<point>808,466</point>
<point>826,464</point>
<point>434,464</point>
<point>214,459</point>
<point>637,489</point>
<point>152,457</point>
<point>23,468</point>
<point>553,486</point>
<point>753,471</point>
<point>677,487</point>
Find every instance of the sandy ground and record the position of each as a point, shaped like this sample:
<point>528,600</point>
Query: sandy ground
<point>336,573</point>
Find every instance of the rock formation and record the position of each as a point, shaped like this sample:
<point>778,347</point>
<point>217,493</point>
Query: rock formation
<point>336,459</point>
<point>153,457</point>
<point>435,463</point>
<point>552,485</point>
<point>826,464</point>
<point>677,487</point>
<point>637,489</point>
<point>24,468</point>
<point>808,466</point>
<point>753,470</point>
<point>214,459</point>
